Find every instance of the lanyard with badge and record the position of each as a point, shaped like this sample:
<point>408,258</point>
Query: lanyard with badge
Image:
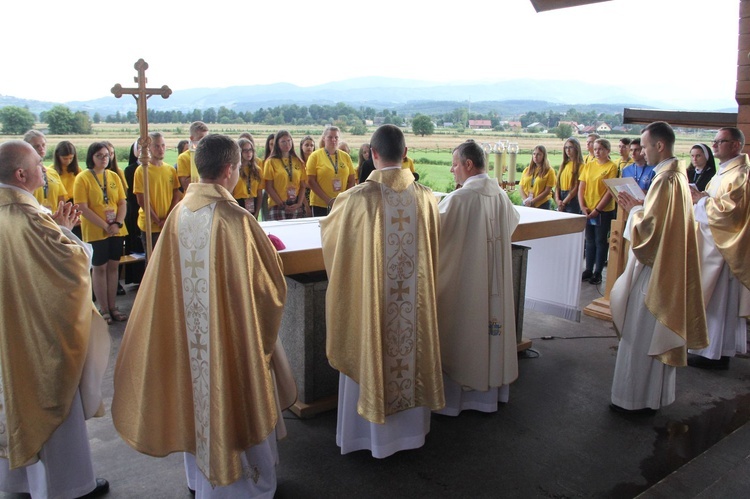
<point>336,180</point>
<point>109,214</point>
<point>46,183</point>
<point>291,190</point>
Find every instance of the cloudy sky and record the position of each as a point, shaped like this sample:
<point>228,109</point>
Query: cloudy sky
<point>76,50</point>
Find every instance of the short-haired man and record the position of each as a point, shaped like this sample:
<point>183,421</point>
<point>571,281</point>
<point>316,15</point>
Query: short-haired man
<point>380,251</point>
<point>624,147</point>
<point>639,170</point>
<point>193,371</point>
<point>163,188</point>
<point>186,170</point>
<point>657,302</point>
<point>476,316</point>
<point>723,216</point>
<point>53,352</point>
<point>52,190</point>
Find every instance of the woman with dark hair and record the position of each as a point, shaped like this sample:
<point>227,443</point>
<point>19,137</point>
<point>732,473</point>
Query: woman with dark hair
<point>538,180</point>
<point>133,271</point>
<point>249,188</point>
<point>101,197</point>
<point>364,155</point>
<point>285,180</point>
<point>598,205</point>
<point>702,166</point>
<point>65,162</point>
<point>566,190</point>
<point>306,148</point>
<point>266,154</point>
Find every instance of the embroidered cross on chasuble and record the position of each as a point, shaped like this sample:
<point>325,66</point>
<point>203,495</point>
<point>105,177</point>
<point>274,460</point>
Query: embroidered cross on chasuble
<point>400,287</point>
<point>195,239</point>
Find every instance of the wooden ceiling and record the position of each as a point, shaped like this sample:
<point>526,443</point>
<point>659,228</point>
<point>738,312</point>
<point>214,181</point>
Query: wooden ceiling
<point>542,5</point>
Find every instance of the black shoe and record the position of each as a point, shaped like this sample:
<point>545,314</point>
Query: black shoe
<point>646,411</point>
<point>120,290</point>
<point>586,275</point>
<point>102,487</point>
<point>721,364</point>
<point>596,278</point>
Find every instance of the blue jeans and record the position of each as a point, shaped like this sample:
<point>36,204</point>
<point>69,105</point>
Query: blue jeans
<point>573,206</point>
<point>596,241</point>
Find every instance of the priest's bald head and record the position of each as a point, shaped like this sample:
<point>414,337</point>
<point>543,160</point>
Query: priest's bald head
<point>21,165</point>
<point>387,146</point>
<point>217,159</point>
<point>468,160</point>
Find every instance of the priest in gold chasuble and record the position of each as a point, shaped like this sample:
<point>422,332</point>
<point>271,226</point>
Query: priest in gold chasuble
<point>54,345</point>
<point>723,216</point>
<point>657,303</point>
<point>193,372</point>
<point>380,251</point>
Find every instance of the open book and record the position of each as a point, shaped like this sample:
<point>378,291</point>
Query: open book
<point>627,184</point>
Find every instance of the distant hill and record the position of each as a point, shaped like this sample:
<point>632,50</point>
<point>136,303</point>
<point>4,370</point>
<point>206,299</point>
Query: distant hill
<point>508,98</point>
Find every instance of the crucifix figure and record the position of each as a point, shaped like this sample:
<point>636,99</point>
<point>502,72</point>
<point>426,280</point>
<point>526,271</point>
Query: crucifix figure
<point>141,94</point>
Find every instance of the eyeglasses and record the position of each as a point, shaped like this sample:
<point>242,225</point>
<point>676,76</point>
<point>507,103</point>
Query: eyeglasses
<point>248,150</point>
<point>721,141</point>
<point>101,156</point>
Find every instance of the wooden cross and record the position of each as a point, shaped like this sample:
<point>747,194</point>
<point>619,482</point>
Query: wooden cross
<point>141,94</point>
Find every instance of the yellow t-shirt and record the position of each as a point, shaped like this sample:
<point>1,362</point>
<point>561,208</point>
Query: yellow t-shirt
<point>594,174</point>
<point>186,166</point>
<point>535,185</point>
<point>54,191</point>
<point>566,177</point>
<point>321,165</point>
<point>621,164</point>
<point>68,180</point>
<point>162,182</point>
<point>88,189</point>
<point>276,175</point>
<point>407,164</point>
<point>248,188</point>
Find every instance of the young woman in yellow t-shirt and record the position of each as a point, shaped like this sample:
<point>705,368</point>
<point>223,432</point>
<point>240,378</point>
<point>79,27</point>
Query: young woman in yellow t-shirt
<point>566,191</point>
<point>306,148</point>
<point>249,189</point>
<point>285,178</point>
<point>538,180</point>
<point>599,207</point>
<point>65,162</point>
<point>101,197</point>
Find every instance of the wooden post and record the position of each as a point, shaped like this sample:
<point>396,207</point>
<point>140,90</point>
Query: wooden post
<point>618,257</point>
<point>141,94</point>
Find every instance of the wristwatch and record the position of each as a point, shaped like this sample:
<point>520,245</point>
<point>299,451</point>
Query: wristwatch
<point>119,224</point>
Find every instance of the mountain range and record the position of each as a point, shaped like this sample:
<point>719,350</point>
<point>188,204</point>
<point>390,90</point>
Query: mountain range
<point>508,98</point>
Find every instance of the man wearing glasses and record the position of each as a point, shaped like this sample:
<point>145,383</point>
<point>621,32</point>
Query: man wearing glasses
<point>722,213</point>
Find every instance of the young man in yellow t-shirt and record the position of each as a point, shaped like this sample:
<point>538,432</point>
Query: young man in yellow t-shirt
<point>186,170</point>
<point>163,188</point>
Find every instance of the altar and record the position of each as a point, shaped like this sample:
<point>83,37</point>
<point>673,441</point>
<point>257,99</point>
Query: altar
<point>548,250</point>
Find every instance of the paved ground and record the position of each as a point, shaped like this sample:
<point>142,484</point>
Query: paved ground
<point>555,438</point>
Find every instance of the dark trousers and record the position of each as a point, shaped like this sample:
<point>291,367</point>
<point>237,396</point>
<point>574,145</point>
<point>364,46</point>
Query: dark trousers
<point>317,211</point>
<point>596,241</point>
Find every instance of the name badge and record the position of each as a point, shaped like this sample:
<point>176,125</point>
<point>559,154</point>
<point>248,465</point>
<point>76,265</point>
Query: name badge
<point>336,185</point>
<point>291,192</point>
<point>110,215</point>
<point>250,203</point>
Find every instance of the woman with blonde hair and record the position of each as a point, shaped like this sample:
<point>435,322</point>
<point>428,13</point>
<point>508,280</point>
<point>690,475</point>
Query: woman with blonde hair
<point>285,177</point>
<point>329,172</point>
<point>599,207</point>
<point>566,190</point>
<point>538,180</point>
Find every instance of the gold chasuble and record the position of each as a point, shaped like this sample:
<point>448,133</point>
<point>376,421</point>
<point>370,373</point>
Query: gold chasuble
<point>729,216</point>
<point>380,251</point>
<point>53,342</point>
<point>663,237</point>
<point>193,371</point>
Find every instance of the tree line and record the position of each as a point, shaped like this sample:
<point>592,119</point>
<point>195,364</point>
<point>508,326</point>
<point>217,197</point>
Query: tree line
<point>63,121</point>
